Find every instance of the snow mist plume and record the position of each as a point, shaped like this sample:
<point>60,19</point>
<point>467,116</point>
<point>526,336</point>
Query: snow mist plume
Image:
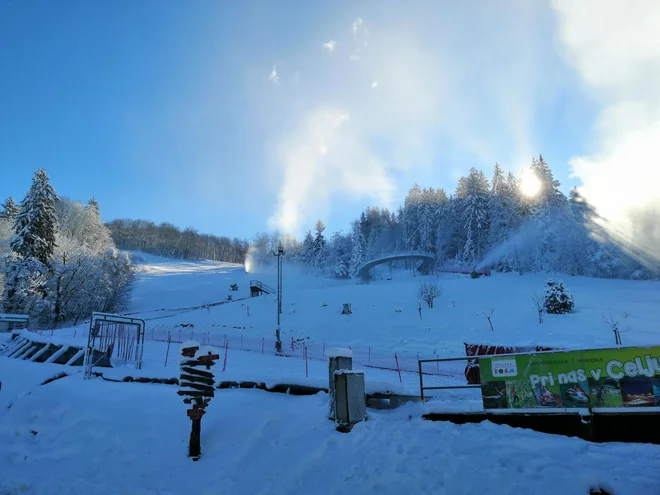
<point>323,156</point>
<point>521,242</point>
<point>615,47</point>
<point>251,260</point>
<point>330,152</point>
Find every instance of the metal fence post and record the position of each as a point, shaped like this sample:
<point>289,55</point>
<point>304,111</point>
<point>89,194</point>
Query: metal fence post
<point>421,381</point>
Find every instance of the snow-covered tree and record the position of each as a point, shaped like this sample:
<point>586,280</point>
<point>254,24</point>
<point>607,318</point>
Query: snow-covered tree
<point>340,255</point>
<point>504,213</point>
<point>83,224</point>
<point>358,248</point>
<point>85,272</point>
<point>450,235</point>
<point>411,207</point>
<point>118,278</point>
<point>558,300</point>
<point>473,193</point>
<point>35,224</point>
<point>380,230</point>
<point>9,210</point>
<point>165,240</point>
<point>318,245</point>
<point>549,196</point>
<point>307,253</point>
<point>499,184</point>
<point>82,242</point>
<point>24,285</point>
<point>427,212</point>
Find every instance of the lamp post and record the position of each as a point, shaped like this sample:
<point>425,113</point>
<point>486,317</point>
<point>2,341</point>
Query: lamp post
<point>279,255</point>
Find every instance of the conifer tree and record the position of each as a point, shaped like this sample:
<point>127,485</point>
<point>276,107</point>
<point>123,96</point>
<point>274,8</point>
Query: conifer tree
<point>473,192</point>
<point>411,218</point>
<point>307,250</point>
<point>35,224</point>
<point>318,245</point>
<point>358,249</point>
<point>9,210</point>
<point>427,220</point>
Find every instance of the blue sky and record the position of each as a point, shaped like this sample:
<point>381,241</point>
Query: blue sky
<point>237,117</point>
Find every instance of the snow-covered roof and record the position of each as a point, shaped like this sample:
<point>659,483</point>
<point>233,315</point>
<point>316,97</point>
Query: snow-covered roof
<point>339,352</point>
<point>349,372</point>
<point>187,344</point>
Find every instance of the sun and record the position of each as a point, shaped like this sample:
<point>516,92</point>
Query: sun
<point>530,185</point>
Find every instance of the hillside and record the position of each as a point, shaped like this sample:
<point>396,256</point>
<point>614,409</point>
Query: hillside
<point>312,308</point>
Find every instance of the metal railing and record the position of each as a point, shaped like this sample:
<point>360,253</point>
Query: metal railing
<point>442,387</point>
<point>262,287</point>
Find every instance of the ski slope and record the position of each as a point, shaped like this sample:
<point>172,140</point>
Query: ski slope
<point>385,312</point>
<point>167,283</point>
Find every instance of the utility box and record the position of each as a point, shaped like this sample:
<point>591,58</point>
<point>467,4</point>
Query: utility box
<point>338,359</point>
<point>350,399</point>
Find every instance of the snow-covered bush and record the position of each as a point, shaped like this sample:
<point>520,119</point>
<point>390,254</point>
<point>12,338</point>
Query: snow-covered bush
<point>558,300</point>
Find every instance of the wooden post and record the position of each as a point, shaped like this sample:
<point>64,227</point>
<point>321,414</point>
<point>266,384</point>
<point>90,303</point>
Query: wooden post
<point>306,364</point>
<point>195,444</point>
<point>397,367</point>
<point>167,353</point>
<point>196,385</point>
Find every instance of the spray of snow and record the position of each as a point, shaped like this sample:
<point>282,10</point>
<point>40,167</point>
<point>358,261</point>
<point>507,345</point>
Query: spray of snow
<point>251,260</point>
<point>518,243</point>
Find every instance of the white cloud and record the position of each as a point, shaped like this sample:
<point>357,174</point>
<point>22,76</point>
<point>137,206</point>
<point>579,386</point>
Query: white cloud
<point>615,47</point>
<point>274,77</point>
<point>356,25</point>
<point>375,84</point>
<point>354,57</point>
<point>329,46</point>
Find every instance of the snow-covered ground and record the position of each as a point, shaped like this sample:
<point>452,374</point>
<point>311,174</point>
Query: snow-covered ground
<point>74,436</point>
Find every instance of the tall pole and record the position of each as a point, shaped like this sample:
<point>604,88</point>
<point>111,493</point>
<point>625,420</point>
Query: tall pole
<point>279,288</point>
<point>279,254</point>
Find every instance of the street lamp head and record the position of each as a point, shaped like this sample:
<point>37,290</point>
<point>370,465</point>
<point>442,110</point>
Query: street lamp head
<point>280,249</point>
